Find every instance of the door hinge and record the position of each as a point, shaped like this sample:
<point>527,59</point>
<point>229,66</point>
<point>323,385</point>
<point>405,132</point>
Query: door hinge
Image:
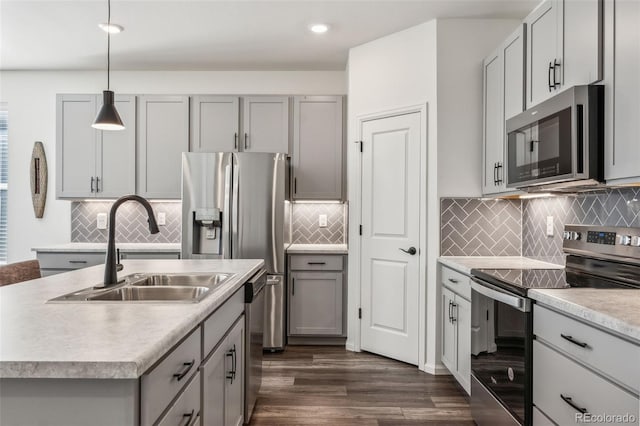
<point>359,313</point>
<point>360,229</point>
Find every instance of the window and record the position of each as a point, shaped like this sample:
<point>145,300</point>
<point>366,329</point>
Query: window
<point>4,176</point>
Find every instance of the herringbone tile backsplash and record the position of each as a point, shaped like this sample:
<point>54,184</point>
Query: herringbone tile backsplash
<point>305,228</point>
<point>474,227</point>
<point>612,208</point>
<point>131,219</point>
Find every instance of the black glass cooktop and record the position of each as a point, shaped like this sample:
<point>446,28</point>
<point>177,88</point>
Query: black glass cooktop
<point>520,280</point>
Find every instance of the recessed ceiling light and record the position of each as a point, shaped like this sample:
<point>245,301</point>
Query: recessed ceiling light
<point>111,28</point>
<point>319,28</point>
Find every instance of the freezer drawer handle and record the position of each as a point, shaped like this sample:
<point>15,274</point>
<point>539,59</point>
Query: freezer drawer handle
<point>569,401</point>
<point>574,341</point>
<point>186,368</point>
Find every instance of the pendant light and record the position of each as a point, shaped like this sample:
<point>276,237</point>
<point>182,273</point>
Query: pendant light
<point>108,117</point>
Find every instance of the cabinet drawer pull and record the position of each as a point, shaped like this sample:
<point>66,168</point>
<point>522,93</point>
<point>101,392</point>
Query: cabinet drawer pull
<point>186,368</point>
<point>574,341</point>
<point>316,263</point>
<point>187,417</point>
<point>569,401</point>
<point>453,280</point>
<point>77,261</point>
<point>453,314</point>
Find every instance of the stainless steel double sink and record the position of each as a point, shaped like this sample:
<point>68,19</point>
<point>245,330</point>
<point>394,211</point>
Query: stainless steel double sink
<point>190,288</point>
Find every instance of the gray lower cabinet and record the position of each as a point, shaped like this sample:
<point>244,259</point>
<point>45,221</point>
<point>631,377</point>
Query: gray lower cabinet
<point>316,295</point>
<point>223,381</point>
<point>163,135</point>
<point>317,148</point>
<point>92,163</point>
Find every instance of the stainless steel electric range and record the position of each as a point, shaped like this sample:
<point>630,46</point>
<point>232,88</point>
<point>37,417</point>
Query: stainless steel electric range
<point>501,360</point>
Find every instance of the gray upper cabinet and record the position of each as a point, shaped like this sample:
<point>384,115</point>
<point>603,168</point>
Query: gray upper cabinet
<point>265,124</point>
<point>93,163</point>
<point>215,122</point>
<point>163,135</point>
<point>622,95</point>
<point>503,98</point>
<point>564,47</point>
<point>317,147</point>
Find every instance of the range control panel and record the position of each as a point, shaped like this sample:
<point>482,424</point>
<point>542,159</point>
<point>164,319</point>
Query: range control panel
<point>602,239</point>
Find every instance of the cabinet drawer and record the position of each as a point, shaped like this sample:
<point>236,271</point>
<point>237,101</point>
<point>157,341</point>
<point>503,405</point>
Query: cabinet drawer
<point>186,409</point>
<point>604,352</point>
<point>160,385</point>
<point>456,281</point>
<point>315,263</point>
<point>556,378</point>
<point>69,260</point>
<point>221,320</point>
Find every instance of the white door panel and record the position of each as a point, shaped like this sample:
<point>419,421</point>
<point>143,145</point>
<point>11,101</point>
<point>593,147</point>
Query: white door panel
<point>390,221</point>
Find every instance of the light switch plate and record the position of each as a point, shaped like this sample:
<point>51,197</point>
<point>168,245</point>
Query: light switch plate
<point>322,221</point>
<point>549,226</point>
<point>162,218</point>
<point>101,221</point>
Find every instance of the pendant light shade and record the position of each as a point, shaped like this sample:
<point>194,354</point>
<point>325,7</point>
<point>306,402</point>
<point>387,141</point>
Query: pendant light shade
<point>108,117</point>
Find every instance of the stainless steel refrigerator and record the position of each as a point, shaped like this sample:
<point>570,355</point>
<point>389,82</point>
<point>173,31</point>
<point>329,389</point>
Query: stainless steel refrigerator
<point>233,207</point>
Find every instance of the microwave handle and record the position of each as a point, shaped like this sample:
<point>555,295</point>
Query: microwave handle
<point>520,303</point>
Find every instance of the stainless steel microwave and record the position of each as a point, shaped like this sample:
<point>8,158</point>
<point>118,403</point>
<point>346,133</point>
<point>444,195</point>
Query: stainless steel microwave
<point>559,141</point>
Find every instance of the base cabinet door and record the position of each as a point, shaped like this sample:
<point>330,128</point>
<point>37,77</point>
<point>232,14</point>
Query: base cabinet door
<point>462,310</point>
<point>448,355</point>
<point>223,381</point>
<point>315,303</point>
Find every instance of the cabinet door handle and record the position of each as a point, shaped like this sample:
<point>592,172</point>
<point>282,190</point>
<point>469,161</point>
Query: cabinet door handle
<point>295,185</point>
<point>574,341</point>
<point>246,145</point>
<point>569,401</point>
<point>450,310</point>
<point>555,64</point>
<point>453,280</point>
<point>185,370</point>
<point>293,286</point>
<point>232,374</point>
<point>187,417</point>
<point>97,184</point>
<point>495,177</point>
<point>92,184</point>
<point>549,71</point>
<point>235,359</point>
<point>235,140</point>
<point>316,263</point>
<point>77,261</point>
<point>454,313</point>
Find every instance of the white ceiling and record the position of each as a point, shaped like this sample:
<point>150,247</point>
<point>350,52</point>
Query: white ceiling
<point>212,34</point>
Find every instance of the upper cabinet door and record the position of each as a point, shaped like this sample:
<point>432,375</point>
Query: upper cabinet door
<point>317,147</point>
<point>214,123</point>
<point>163,125</point>
<point>582,42</point>
<point>116,159</point>
<point>543,52</point>
<point>265,124</point>
<point>75,146</point>
<point>513,71</point>
<point>493,122</point>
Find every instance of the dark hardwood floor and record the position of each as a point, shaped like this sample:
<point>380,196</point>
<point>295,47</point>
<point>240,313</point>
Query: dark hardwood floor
<point>322,385</point>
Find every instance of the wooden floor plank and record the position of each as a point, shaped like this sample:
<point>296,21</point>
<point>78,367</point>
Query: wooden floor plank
<point>322,385</point>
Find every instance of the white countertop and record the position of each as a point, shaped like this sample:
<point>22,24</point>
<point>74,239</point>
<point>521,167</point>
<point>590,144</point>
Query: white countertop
<point>317,249</point>
<point>102,247</point>
<point>612,309</point>
<point>465,264</point>
<point>96,339</point>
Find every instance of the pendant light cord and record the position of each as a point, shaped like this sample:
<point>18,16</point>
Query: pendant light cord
<point>108,41</point>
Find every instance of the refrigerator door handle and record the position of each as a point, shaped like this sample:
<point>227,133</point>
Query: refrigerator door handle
<point>226,226</point>
<point>235,210</point>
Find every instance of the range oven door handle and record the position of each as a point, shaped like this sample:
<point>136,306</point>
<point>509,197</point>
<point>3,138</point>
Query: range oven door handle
<point>520,303</point>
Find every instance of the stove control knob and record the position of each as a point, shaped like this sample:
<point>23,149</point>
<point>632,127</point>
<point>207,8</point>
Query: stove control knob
<point>635,241</point>
<point>575,236</point>
<point>566,235</point>
<point>624,240</point>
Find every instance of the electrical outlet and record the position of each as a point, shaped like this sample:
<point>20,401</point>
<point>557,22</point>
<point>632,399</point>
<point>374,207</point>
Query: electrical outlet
<point>322,221</point>
<point>162,218</point>
<point>549,226</point>
<point>101,221</point>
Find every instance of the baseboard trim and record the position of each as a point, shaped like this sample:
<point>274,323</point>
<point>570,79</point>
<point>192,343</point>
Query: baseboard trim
<point>436,369</point>
<point>330,341</point>
<point>350,347</point>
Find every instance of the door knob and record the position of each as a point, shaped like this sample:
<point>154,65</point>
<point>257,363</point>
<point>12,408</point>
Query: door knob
<point>411,251</point>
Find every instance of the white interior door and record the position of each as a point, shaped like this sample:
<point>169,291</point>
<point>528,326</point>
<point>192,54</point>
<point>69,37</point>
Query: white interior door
<point>390,224</point>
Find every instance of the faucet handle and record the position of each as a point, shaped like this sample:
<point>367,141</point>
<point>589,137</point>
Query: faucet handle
<point>119,267</point>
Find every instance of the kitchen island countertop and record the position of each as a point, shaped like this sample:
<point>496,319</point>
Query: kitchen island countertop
<point>100,339</point>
